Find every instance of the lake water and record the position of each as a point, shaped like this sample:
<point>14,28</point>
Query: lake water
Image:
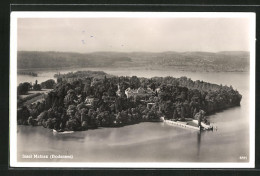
<point>149,142</point>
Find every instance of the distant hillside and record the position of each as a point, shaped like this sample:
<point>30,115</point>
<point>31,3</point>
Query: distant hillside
<point>192,61</point>
<point>35,59</point>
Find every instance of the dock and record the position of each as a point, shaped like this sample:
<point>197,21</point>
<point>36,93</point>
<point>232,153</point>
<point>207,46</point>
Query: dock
<point>189,124</point>
<point>183,124</point>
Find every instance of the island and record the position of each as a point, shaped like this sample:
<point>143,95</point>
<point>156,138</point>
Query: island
<point>85,100</point>
<point>29,73</point>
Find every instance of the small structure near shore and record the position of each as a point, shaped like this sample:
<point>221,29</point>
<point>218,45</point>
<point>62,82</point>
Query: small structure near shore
<point>190,124</point>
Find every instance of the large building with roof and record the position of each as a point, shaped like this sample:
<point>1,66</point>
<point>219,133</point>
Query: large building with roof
<point>138,92</point>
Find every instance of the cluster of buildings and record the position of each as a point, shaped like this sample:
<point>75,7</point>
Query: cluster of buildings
<point>140,92</point>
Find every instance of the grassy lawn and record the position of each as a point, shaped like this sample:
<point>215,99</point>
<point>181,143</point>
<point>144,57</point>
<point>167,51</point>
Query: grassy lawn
<point>32,92</point>
<point>31,97</point>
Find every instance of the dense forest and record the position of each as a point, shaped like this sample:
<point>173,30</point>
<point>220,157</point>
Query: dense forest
<point>189,61</point>
<point>87,100</point>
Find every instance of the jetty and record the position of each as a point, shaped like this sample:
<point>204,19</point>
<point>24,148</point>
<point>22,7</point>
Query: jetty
<point>189,124</point>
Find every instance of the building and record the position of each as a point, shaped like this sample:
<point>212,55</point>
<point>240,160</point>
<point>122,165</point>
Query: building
<point>90,101</point>
<point>150,105</point>
<point>158,90</point>
<point>138,92</point>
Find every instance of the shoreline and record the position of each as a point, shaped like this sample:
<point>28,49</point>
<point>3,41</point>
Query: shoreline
<point>98,127</point>
<point>130,68</point>
<point>120,125</point>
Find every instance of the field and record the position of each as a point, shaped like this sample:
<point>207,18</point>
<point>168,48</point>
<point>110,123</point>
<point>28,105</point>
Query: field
<point>31,97</point>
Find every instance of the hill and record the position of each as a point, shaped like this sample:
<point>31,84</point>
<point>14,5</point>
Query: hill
<point>192,61</point>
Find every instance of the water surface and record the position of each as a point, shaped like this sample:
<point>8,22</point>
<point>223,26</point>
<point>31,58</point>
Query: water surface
<point>149,142</point>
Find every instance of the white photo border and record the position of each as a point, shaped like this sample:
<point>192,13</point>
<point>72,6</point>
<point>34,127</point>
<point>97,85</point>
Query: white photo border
<point>13,88</point>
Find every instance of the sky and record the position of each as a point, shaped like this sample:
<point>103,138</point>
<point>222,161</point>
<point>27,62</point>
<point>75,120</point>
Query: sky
<point>133,34</point>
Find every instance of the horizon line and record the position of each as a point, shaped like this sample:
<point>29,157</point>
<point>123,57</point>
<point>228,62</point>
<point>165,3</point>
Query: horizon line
<point>134,51</point>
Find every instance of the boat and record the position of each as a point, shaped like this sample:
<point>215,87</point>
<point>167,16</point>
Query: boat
<point>189,124</point>
<point>62,132</point>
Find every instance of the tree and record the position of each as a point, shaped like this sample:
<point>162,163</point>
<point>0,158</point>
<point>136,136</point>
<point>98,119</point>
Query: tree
<point>112,90</point>
<point>73,124</point>
<point>59,80</point>
<point>134,82</point>
<point>153,86</point>
<point>69,98</point>
<point>23,88</point>
<point>88,89</point>
<point>37,87</point>
<point>78,90</point>
<point>43,116</point>
<point>22,115</point>
<point>49,84</point>
<point>84,125</point>
<point>71,111</point>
